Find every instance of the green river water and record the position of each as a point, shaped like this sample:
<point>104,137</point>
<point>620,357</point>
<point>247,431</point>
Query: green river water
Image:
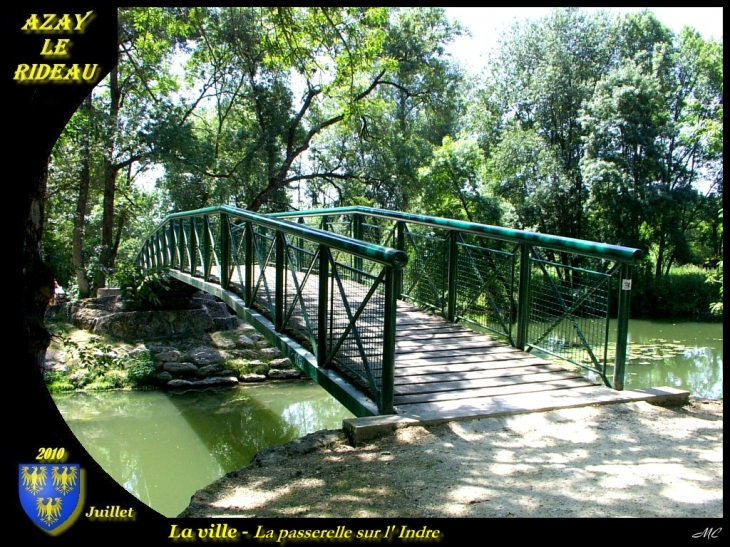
<point>162,447</point>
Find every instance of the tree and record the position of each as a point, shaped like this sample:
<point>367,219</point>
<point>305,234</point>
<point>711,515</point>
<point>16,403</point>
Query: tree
<point>646,140</point>
<point>544,73</point>
<point>305,95</point>
<point>453,184</point>
<point>623,122</point>
<point>107,145</point>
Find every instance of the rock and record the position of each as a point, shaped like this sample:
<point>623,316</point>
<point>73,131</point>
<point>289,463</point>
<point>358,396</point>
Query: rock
<point>245,342</point>
<point>220,341</point>
<point>171,356</point>
<point>53,357</point>
<point>247,354</point>
<point>151,324</point>
<point>270,353</point>
<point>252,378</point>
<point>213,370</point>
<point>279,374</point>
<point>136,351</point>
<point>282,362</point>
<point>164,376</point>
<point>179,383</point>
<point>108,291</point>
<point>185,369</point>
<point>203,355</point>
<point>219,381</point>
<point>159,347</point>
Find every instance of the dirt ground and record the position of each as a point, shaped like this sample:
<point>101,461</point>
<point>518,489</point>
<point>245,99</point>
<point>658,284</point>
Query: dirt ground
<point>625,460</point>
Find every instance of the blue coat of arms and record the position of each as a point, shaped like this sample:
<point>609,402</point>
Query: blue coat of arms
<point>51,494</point>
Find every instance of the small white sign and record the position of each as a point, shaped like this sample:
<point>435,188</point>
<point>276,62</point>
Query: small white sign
<point>626,284</point>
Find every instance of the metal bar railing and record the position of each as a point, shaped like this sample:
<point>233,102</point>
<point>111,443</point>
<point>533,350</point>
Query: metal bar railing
<point>334,293</point>
<point>559,306</point>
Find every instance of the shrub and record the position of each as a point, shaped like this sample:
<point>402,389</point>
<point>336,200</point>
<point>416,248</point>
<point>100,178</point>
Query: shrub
<point>141,289</point>
<point>684,293</point>
<point>141,369</point>
<point>115,378</point>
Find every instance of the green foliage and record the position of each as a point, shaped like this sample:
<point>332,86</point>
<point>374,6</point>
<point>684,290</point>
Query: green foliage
<point>95,364</point>
<point>243,367</point>
<point>57,383</point>
<point>715,279</point>
<point>92,365</point>
<point>140,369</point>
<point>589,126</point>
<point>141,289</point>
<point>684,293</point>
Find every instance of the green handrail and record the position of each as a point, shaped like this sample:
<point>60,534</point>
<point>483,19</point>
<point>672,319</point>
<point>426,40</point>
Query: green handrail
<point>558,243</point>
<point>378,253</point>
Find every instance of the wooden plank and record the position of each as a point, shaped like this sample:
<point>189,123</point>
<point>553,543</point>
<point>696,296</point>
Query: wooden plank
<point>466,386</point>
<point>518,403</point>
<point>494,358</point>
<point>436,334</point>
<point>410,346</point>
<point>453,353</point>
<point>448,374</point>
<point>499,368</point>
<point>493,391</point>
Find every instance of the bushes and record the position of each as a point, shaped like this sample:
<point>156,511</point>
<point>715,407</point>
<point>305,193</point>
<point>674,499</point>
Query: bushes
<point>684,293</point>
<point>141,290</point>
<point>96,365</point>
<point>141,369</point>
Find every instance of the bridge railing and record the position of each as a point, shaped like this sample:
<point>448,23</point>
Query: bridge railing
<point>334,294</point>
<point>536,291</point>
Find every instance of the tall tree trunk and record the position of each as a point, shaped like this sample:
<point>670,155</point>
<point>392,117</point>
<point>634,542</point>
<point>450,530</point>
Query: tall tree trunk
<point>660,254</point>
<point>37,276</point>
<point>106,256</point>
<point>81,204</point>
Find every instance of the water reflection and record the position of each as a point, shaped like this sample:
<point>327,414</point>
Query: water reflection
<point>163,447</point>
<point>688,356</point>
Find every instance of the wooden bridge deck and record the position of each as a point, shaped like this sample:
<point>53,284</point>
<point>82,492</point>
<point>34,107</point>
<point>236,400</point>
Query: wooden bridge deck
<point>445,371</point>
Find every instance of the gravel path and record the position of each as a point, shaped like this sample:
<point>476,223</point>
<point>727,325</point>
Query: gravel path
<point>625,460</point>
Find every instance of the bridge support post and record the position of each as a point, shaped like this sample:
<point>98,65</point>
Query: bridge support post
<point>389,332</point>
<point>400,242</point>
<point>225,273</point>
<point>280,285</point>
<point>207,247</point>
<point>248,265</point>
<point>523,297</point>
<point>453,272</point>
<point>158,249</point>
<point>170,245</point>
<point>622,333</point>
<point>357,234</point>
<point>322,311</point>
<point>193,247</point>
<point>180,237</point>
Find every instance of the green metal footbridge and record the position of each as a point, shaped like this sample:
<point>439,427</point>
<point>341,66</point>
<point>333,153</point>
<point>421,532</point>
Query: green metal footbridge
<point>396,313</point>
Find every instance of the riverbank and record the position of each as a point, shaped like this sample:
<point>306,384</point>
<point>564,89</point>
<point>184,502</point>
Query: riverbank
<point>80,360</point>
<point>625,460</point>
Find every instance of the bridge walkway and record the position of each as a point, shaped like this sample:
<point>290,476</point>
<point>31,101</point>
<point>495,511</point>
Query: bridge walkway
<point>352,330</point>
<point>444,370</point>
